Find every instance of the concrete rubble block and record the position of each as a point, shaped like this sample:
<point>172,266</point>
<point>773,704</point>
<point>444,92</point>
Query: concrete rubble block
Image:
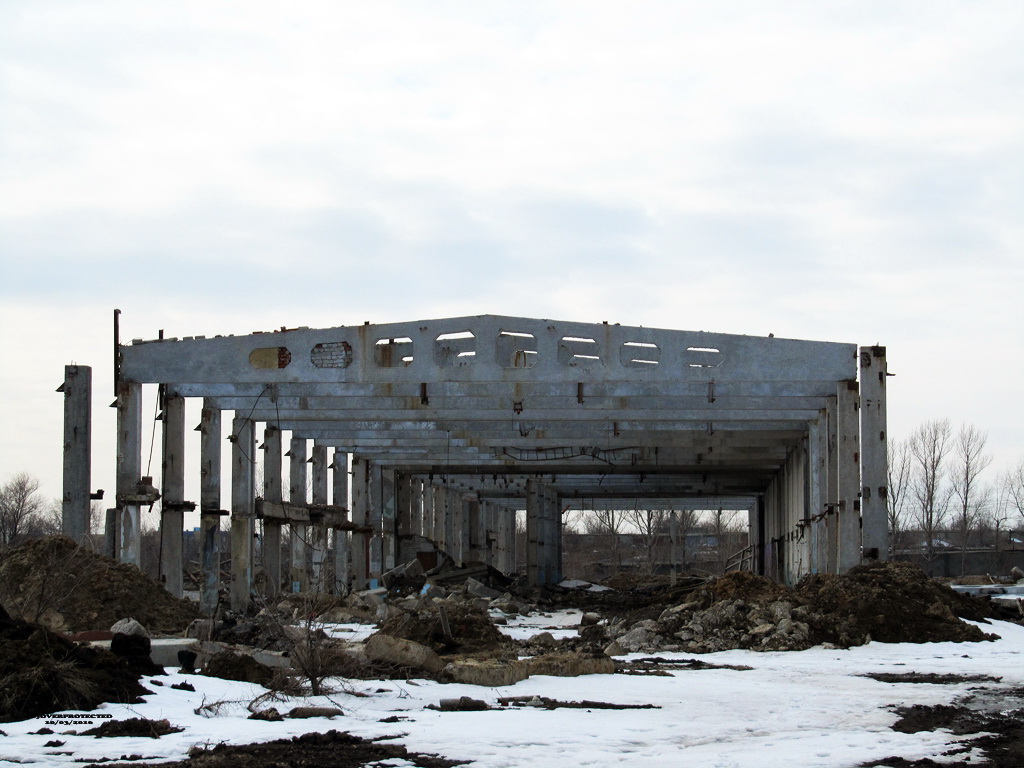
<point>403,653</point>
<point>478,589</point>
<point>635,639</point>
<point>129,627</point>
<point>405,574</point>
<point>590,619</point>
<point>544,639</point>
<point>490,673</point>
<point>200,629</point>
<point>570,664</point>
<point>614,649</point>
<point>462,704</point>
<point>307,712</point>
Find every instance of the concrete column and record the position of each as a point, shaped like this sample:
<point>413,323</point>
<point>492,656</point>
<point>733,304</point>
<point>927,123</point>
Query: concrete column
<point>874,460</point>
<point>488,525</point>
<point>428,510</point>
<point>832,491</point>
<point>506,543</point>
<point>452,515</point>
<point>440,505</point>
<point>359,547</point>
<point>172,514</point>
<point>476,541</point>
<point>243,481</point>
<point>209,505</point>
<point>376,522</point>
<point>536,533</point>
<point>403,505</point>
<point>272,491</point>
<point>340,477</point>
<point>391,513</point>
<point>129,469</point>
<point>297,455</point>
<point>553,538</point>
<point>318,531</point>
<point>416,507</point>
<point>817,451</point>
<point>77,389</point>
<point>848,470</point>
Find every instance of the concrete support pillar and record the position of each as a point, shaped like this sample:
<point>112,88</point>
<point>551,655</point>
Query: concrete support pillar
<point>376,521</point>
<point>466,506</point>
<point>476,538</point>
<point>874,459</point>
<point>297,456</point>
<point>318,530</point>
<point>488,526</point>
<point>210,510</point>
<point>391,516</point>
<point>848,471</point>
<point>172,513</point>
<point>129,470</point>
<point>340,477</point>
<point>272,491</point>
<point>403,505</point>
<point>452,515</point>
<point>817,452</point>
<point>543,535</point>
<point>440,534</point>
<point>832,491</point>
<point>359,550</point>
<point>243,481</point>
<point>75,513</point>
<point>428,510</point>
<point>416,506</point>
<point>506,540</point>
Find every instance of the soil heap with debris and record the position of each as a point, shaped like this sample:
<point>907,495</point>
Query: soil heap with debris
<point>65,587</point>
<point>448,627</point>
<point>888,602</point>
<point>42,672</point>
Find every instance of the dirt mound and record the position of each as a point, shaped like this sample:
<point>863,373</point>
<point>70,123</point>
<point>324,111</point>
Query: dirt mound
<point>133,726</point>
<point>329,750</point>
<point>41,672</point>
<point>743,585</point>
<point>54,582</point>
<point>887,602</point>
<point>469,629</point>
<point>228,665</point>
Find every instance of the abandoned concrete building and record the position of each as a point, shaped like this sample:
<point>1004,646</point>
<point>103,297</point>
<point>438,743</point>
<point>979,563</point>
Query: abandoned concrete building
<point>447,429</point>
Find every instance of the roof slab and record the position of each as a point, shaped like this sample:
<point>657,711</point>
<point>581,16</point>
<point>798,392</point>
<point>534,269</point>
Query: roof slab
<point>602,410</point>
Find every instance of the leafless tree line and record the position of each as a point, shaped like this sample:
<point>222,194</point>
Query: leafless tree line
<point>940,495</point>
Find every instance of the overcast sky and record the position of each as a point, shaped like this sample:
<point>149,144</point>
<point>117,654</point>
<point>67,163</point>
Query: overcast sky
<point>843,171</point>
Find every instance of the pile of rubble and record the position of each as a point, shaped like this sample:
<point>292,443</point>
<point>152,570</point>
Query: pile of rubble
<point>887,602</point>
<point>42,672</point>
<point>67,588</point>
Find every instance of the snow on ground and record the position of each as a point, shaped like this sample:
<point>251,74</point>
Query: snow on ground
<point>792,710</point>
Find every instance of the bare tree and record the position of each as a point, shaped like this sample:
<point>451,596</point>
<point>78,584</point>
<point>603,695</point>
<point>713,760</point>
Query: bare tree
<point>899,477</point>
<point>608,523</point>
<point>1013,488</point>
<point>19,502</point>
<point>929,449</point>
<point>650,525</point>
<point>969,461</point>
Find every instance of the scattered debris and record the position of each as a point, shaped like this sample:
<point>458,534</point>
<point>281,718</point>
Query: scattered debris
<point>302,713</point>
<point>461,704</point>
<point>228,665</point>
<point>929,678</point>
<point>133,726</point>
<point>543,702</point>
<point>333,749</point>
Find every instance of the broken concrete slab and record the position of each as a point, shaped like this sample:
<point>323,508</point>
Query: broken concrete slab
<point>403,653</point>
<point>489,673</point>
<point>570,664</point>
